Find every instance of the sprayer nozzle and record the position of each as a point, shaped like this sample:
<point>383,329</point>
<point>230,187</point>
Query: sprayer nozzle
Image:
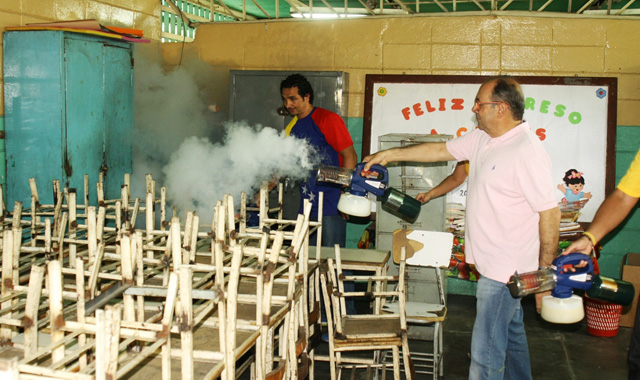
<point>334,174</point>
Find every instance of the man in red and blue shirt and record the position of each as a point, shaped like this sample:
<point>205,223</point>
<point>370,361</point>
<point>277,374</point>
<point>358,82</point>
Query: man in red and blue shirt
<point>327,133</point>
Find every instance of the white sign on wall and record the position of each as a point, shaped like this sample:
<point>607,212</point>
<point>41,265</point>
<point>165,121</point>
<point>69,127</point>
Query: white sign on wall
<point>573,117</point>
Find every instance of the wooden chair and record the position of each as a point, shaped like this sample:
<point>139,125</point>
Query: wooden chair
<point>363,332</point>
<point>294,332</point>
<point>421,314</point>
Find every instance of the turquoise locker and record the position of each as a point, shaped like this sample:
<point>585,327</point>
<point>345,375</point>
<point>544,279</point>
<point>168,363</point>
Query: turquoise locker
<point>68,112</point>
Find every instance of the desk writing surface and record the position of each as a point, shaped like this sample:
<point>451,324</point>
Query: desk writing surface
<point>367,257</point>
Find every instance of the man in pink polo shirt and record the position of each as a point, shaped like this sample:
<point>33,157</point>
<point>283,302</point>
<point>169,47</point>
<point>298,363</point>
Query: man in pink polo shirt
<point>512,219</point>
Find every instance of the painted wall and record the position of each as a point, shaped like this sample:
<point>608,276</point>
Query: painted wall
<point>485,45</point>
<point>479,45</point>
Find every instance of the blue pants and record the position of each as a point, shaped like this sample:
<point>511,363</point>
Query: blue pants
<point>499,347</point>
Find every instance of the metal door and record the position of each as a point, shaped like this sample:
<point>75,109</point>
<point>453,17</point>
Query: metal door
<point>84,133</point>
<point>118,117</point>
<point>255,95</point>
<point>255,98</point>
<point>33,104</point>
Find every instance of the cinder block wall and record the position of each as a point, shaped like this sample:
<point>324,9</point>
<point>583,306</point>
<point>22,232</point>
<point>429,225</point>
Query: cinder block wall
<point>453,44</point>
<point>478,45</point>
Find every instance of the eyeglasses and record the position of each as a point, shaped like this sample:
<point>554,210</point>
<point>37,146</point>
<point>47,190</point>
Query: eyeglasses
<point>480,104</point>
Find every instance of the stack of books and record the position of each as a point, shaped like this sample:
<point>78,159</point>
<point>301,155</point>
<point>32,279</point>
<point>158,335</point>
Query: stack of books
<point>455,219</point>
<point>569,213</point>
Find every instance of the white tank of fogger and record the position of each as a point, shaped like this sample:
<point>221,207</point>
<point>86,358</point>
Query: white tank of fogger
<point>354,205</point>
<point>562,310</point>
<point>359,183</point>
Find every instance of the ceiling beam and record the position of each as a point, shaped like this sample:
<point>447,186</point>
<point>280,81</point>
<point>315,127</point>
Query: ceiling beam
<point>627,5</point>
<point>176,37</point>
<point>262,9</point>
<point>296,6</point>
<point>438,3</point>
<point>177,11</point>
<point>199,19</point>
<point>546,4</point>
<point>229,12</point>
<point>387,7</point>
<point>325,2</point>
<point>215,8</point>
<point>587,5</point>
<point>505,5</point>
<point>480,5</point>
<point>366,7</point>
<point>403,6</point>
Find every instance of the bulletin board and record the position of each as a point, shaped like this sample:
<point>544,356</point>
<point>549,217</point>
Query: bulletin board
<point>574,117</point>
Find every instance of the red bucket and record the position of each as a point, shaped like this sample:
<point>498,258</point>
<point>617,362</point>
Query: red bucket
<point>603,318</point>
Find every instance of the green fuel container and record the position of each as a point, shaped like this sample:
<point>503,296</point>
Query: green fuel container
<point>611,290</point>
<point>401,204</point>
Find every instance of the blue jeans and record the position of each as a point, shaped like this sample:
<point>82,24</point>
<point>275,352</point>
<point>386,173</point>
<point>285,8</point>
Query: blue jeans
<point>499,347</point>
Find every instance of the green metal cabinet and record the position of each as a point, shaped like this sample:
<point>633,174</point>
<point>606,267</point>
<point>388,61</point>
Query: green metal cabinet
<point>68,101</point>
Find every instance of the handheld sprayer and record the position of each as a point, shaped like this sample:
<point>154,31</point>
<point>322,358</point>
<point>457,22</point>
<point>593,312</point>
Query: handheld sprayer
<point>565,275</point>
<point>360,183</point>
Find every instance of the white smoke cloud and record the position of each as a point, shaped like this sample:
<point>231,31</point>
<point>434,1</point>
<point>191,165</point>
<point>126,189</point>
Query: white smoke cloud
<point>201,172</point>
<point>195,153</point>
<point>170,105</point>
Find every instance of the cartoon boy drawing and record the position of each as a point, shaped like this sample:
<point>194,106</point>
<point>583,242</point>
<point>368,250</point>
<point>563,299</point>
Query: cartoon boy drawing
<point>575,183</point>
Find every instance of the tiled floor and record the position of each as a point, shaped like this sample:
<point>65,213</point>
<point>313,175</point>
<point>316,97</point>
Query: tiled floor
<point>564,352</point>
